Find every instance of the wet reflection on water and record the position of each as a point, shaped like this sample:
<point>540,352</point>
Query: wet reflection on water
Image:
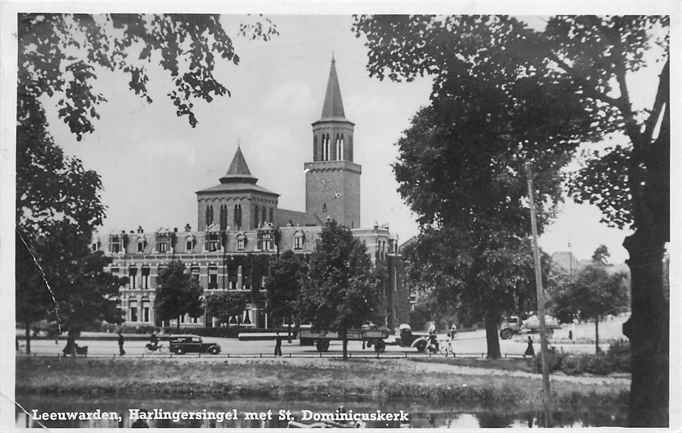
<point>420,416</point>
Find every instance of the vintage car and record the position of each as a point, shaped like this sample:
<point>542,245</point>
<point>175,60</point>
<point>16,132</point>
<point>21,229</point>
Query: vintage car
<point>180,344</point>
<point>514,325</point>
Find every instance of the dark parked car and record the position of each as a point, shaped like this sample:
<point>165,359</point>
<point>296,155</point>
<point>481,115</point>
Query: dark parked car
<point>180,344</point>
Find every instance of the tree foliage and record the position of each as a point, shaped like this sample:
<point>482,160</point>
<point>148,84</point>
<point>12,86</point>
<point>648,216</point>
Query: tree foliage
<point>340,291</point>
<point>223,306</point>
<point>283,287</point>
<point>58,199</point>
<point>178,293</point>
<point>585,61</point>
<point>483,281</point>
<point>593,294</point>
<point>61,54</point>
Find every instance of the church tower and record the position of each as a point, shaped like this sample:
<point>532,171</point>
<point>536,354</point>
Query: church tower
<point>332,178</point>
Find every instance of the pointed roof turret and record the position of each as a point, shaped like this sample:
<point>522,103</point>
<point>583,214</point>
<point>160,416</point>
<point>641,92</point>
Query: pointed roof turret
<point>333,105</point>
<point>238,170</point>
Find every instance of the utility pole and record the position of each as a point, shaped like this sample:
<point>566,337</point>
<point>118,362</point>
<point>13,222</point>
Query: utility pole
<point>546,396</point>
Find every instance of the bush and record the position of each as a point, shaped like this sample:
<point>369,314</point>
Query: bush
<point>619,352</point>
<point>554,360</point>
<point>617,359</point>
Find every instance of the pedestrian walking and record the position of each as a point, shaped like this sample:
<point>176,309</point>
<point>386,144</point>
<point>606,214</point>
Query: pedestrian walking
<point>121,340</point>
<point>451,339</point>
<point>529,350</point>
<point>278,344</point>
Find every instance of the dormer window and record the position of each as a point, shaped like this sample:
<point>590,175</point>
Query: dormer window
<point>115,244</point>
<point>141,244</point>
<point>299,240</point>
<point>190,243</point>
<point>241,241</point>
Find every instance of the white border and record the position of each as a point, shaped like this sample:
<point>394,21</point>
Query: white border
<point>8,58</point>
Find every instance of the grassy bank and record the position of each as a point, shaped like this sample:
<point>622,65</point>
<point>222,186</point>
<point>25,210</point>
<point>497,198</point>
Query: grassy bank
<point>318,380</point>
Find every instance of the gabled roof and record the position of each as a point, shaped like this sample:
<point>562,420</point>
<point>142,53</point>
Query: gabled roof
<point>333,104</point>
<point>238,170</point>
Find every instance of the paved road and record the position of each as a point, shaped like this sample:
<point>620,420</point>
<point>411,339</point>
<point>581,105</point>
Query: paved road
<point>466,344</point>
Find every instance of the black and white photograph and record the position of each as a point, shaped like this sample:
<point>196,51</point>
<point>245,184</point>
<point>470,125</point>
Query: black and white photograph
<point>344,217</point>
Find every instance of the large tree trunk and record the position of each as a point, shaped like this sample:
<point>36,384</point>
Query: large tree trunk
<point>28,337</point>
<point>492,339</point>
<point>649,325</point>
<point>596,335</point>
<point>648,331</point>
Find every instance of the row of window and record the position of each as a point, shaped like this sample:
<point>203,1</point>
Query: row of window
<point>259,216</point>
<point>264,242</point>
<point>330,148</point>
<point>196,273</point>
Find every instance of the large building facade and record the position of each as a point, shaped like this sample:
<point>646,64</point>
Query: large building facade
<point>241,229</point>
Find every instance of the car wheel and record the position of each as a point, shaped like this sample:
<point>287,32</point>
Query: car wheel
<point>179,351</point>
<point>506,334</point>
<point>213,350</point>
<point>380,346</point>
<point>421,346</point>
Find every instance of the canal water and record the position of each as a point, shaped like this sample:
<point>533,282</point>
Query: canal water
<point>254,413</point>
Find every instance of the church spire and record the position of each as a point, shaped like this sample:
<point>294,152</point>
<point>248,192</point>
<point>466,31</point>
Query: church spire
<point>333,105</point>
<point>238,170</point>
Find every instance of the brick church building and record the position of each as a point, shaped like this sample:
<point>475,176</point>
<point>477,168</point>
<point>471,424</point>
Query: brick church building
<point>239,222</point>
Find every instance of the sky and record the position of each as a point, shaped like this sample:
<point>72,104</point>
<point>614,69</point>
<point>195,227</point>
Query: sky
<point>152,162</point>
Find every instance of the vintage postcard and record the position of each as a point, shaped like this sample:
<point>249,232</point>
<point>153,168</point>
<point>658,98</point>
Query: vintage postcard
<point>339,215</point>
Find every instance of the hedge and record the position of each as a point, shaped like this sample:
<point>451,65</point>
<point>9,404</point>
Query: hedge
<point>616,359</point>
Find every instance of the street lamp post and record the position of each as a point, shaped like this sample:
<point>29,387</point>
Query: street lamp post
<point>541,301</point>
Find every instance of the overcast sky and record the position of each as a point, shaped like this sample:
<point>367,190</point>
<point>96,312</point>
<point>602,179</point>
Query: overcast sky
<point>152,162</point>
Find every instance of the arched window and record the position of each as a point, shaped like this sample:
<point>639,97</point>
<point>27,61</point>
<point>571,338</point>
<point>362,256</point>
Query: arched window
<point>326,147</point>
<point>264,215</point>
<point>238,215</point>
<point>209,215</point>
<point>255,216</point>
<point>223,217</point>
<point>339,147</point>
<point>272,219</point>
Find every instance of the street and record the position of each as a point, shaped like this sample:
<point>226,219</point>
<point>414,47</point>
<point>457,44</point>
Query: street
<point>471,344</point>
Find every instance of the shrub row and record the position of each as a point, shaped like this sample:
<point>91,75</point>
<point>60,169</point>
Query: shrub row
<point>616,359</point>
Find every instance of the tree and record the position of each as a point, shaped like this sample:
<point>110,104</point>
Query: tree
<point>177,293</point>
<point>340,292</point>
<point>587,58</point>
<point>59,57</point>
<point>283,287</point>
<point>594,294</point>
<point>82,293</point>
<point>601,255</point>
<point>224,306</point>
<point>482,280</point>
<point>32,297</point>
